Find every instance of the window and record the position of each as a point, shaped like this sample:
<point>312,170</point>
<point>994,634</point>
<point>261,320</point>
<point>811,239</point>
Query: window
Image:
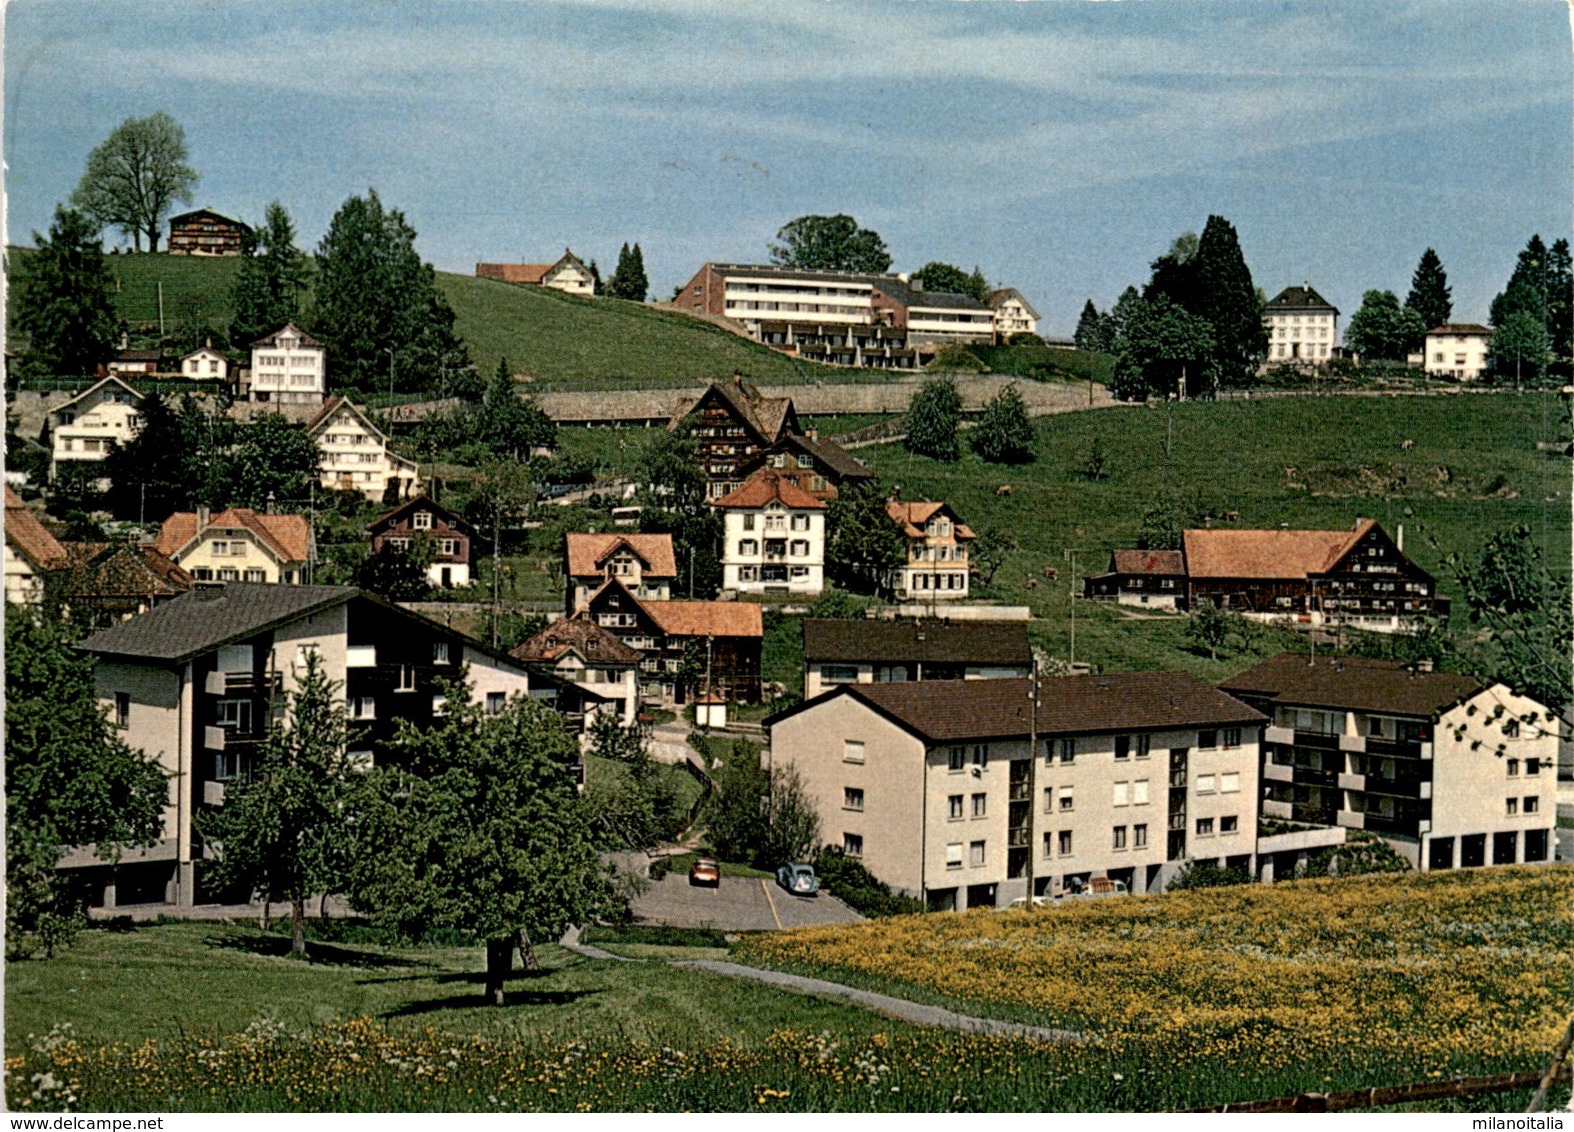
<point>495,702</point>
<point>1511,729</point>
<point>1049,844</point>
<point>748,522</point>
<point>1229,824</point>
<point>980,754</point>
<point>1139,792</point>
<point>421,521</point>
<point>838,673</point>
<point>1230,783</point>
<point>1532,767</point>
<point>1120,837</point>
<point>800,522</point>
<point>1207,740</point>
<point>439,705</point>
<point>800,547</point>
<point>1512,807</point>
<point>954,807</point>
<point>1205,784</point>
<point>440,652</point>
<point>1513,768</point>
<point>1122,790</point>
<point>1068,750</point>
<point>852,798</point>
<point>1063,842</point>
<point>363,707</point>
<point>853,844</point>
<point>229,574</point>
<point>1139,837</point>
<point>226,765</point>
<point>748,546</point>
<point>255,575</point>
<point>1066,800</point>
<point>1123,746</point>
<point>953,855</point>
<point>122,709</point>
<point>1204,827</point>
<point>980,805</point>
<point>448,546</point>
<point>957,760</point>
<point>406,678</point>
<point>1232,737</point>
<point>1532,804</point>
<point>852,750</point>
<point>975,854</point>
<point>234,715</point>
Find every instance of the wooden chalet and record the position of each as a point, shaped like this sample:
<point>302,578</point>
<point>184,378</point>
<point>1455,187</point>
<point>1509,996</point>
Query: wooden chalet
<point>732,422</point>
<point>452,538</point>
<point>729,636</point>
<point>205,232</point>
<point>819,467</point>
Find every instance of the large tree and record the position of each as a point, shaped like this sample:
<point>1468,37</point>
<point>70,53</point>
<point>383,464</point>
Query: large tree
<point>628,278</point>
<point>1095,331</point>
<point>1164,351</point>
<point>1560,309</point>
<point>272,280</point>
<point>150,475</point>
<point>953,280</point>
<point>1229,301</point>
<point>1430,296</point>
<point>271,461</point>
<point>933,416</point>
<point>1530,272</point>
<point>135,175</point>
<point>281,831</point>
<point>672,494</point>
<point>476,825</point>
<point>1381,328</point>
<point>377,304</point>
<point>1004,434</point>
<point>1520,351</point>
<point>830,243</point>
<point>862,545</point>
<point>509,425</point>
<point>70,780</point>
<point>65,304</point>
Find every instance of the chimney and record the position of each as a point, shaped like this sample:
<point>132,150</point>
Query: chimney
<point>1399,538</point>
<point>203,515</point>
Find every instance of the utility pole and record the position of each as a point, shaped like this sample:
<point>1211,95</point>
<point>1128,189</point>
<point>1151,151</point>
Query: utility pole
<point>1071,597</point>
<point>497,563</point>
<point>1032,771</point>
<point>161,309</point>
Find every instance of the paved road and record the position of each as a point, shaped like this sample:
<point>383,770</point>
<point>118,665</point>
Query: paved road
<point>898,1008</point>
<point>738,904</point>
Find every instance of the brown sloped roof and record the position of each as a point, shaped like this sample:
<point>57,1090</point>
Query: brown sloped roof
<point>944,711</point>
<point>580,635</point>
<point>1300,298</point>
<point>423,503</point>
<point>287,536</point>
<point>515,272</point>
<point>929,641</point>
<point>306,339</point>
<point>1267,554</point>
<point>29,536</point>
<point>911,517</point>
<point>106,569</point>
<point>707,618</point>
<point>1149,562</point>
<point>587,552</point>
<point>333,405</point>
<point>837,458</point>
<point>764,415</point>
<point>1353,683</point>
<point>1461,328</point>
<point>766,486</point>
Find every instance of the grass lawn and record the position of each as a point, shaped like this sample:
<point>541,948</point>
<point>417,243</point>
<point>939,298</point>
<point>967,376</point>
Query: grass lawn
<point>1304,462</point>
<point>683,784</point>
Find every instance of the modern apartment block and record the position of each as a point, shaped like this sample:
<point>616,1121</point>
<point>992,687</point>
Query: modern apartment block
<point>1451,773</point>
<point>200,681</point>
<point>975,792</point>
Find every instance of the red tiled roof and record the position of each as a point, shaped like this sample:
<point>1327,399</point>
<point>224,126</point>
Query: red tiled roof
<point>287,536</point>
<point>29,536</point>
<point>911,517</point>
<point>707,618</point>
<point>105,569</point>
<point>1149,562</point>
<point>515,272</point>
<point>581,635</point>
<point>588,552</point>
<point>1267,554</point>
<point>765,486</point>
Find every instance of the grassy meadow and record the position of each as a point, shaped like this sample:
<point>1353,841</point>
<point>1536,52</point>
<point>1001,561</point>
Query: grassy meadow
<point>1183,1000</point>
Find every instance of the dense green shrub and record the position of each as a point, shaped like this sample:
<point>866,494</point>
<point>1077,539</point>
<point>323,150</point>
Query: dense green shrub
<point>848,880</point>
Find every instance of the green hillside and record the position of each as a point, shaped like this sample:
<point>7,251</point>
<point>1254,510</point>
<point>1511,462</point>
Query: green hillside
<point>193,287</point>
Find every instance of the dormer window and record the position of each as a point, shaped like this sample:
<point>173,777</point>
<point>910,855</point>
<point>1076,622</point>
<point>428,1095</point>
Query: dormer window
<point>421,521</point>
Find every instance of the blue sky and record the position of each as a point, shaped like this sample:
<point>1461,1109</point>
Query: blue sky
<point>1059,145</point>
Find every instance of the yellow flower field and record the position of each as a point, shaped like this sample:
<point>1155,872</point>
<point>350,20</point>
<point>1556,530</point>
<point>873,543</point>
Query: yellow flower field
<point>1429,974</point>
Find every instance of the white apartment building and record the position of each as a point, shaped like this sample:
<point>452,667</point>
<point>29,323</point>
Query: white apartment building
<point>773,537</point>
<point>969,793</point>
<point>1303,327</point>
<point>92,424</point>
<point>937,566</point>
<point>1457,351</point>
<point>1451,773</point>
<point>356,456</point>
<point>288,367</point>
<point>1013,314</point>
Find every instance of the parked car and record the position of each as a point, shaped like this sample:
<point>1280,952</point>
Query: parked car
<point>798,880</point>
<point>1097,887</point>
<point>1038,902</point>
<point>554,491</point>
<point>705,871</point>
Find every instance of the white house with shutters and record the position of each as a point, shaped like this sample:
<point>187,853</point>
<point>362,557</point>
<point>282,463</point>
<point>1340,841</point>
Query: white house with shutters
<point>356,456</point>
<point>288,367</point>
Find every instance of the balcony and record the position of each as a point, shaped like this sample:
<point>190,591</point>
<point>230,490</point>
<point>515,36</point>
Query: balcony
<point>1349,819</point>
<point>1352,743</point>
<point>1273,772</point>
<point>1318,740</point>
<point>1279,735</point>
<point>1017,838</point>
<point>360,656</point>
<point>1272,809</point>
<point>1352,782</point>
<point>1403,786</point>
<point>214,738</point>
